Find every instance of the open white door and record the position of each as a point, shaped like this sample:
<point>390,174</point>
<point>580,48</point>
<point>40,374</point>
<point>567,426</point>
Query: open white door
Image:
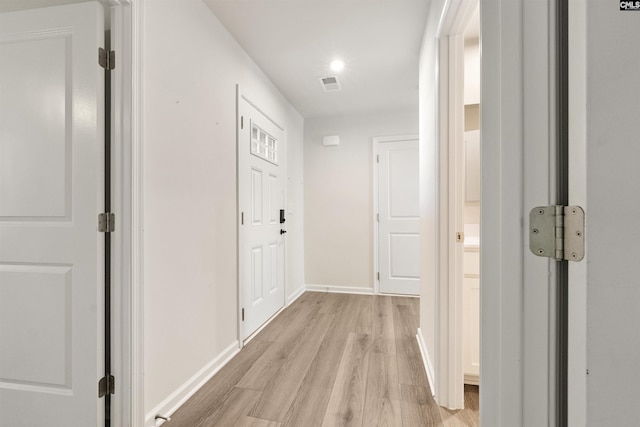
<point>398,218</point>
<point>51,189</point>
<point>261,159</point>
<point>604,294</point>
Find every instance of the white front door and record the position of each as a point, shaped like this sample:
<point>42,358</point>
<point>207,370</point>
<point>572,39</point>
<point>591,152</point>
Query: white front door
<point>51,189</point>
<point>399,222</point>
<point>261,159</point>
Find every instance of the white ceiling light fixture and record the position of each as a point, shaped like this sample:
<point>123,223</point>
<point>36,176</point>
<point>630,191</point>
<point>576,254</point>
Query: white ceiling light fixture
<point>337,65</point>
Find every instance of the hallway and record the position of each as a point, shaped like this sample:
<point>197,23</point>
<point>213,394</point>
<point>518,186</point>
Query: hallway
<point>327,360</point>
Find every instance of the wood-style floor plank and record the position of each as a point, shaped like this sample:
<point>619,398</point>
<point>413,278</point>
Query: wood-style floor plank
<point>410,365</point>
<point>311,401</point>
<point>382,326</point>
<point>418,407</point>
<point>208,398</point>
<point>328,360</point>
<point>257,422</point>
<point>346,404</point>
<point>383,398</point>
<point>282,389</point>
<point>235,406</point>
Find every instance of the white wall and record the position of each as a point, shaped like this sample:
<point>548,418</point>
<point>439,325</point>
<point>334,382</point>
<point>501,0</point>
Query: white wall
<point>471,71</point>
<point>190,69</point>
<point>338,195</point>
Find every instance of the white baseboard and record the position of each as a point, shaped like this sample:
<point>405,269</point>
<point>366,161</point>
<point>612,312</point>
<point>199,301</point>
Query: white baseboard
<point>428,366</point>
<point>471,379</point>
<point>295,295</point>
<point>341,289</point>
<point>171,404</point>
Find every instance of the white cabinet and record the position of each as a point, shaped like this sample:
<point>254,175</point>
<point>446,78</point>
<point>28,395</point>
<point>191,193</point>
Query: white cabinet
<point>471,314</point>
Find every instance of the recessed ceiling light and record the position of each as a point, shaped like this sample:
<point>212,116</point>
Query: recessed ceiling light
<point>337,65</point>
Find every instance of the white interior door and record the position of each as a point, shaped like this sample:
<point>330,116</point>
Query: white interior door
<point>261,159</point>
<point>51,189</point>
<point>604,295</point>
<point>399,221</point>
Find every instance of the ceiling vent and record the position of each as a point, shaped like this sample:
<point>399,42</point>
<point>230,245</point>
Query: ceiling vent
<point>330,84</point>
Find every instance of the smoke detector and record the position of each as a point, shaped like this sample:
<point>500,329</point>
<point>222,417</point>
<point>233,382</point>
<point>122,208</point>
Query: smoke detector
<point>330,84</point>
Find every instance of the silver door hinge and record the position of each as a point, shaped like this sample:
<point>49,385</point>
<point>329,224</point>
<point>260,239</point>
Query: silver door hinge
<point>241,122</point>
<point>378,276</point>
<point>377,158</point>
<point>242,218</point>
<point>378,217</point>
<point>106,222</point>
<point>106,385</point>
<point>557,232</point>
<point>243,314</point>
<point>107,60</point>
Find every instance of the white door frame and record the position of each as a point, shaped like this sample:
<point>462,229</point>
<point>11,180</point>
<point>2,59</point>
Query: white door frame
<point>518,137</point>
<point>449,375</point>
<point>127,203</point>
<point>374,211</point>
<point>577,310</point>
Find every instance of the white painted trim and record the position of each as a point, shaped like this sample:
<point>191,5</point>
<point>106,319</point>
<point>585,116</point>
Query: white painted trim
<point>577,316</point>
<point>336,289</point>
<point>471,379</point>
<point>428,366</point>
<point>137,214</point>
<point>297,294</point>
<point>375,206</point>
<point>449,378</point>
<point>517,368</point>
<point>120,20</point>
<point>174,401</point>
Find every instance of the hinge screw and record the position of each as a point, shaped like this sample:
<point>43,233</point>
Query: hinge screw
<point>573,211</point>
<point>535,231</point>
<point>579,233</point>
<point>540,211</point>
<point>541,251</point>
<point>574,255</point>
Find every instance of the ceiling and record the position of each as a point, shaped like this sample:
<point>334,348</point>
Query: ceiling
<point>294,41</point>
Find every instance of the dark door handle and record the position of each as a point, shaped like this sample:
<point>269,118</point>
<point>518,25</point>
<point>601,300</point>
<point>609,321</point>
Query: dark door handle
<point>283,231</point>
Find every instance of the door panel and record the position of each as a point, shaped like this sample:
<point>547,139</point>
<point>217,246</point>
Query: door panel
<point>261,192</point>
<point>398,228</point>
<point>606,161</point>
<point>51,188</point>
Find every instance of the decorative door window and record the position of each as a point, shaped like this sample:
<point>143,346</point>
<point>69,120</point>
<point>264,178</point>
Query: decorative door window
<point>263,145</point>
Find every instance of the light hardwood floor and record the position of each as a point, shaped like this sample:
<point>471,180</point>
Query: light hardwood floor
<point>328,360</point>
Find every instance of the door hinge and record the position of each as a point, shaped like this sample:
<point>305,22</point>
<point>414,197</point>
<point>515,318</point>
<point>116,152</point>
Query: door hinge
<point>378,276</point>
<point>460,236</point>
<point>107,60</point>
<point>242,218</point>
<point>377,158</point>
<point>557,232</point>
<point>106,385</point>
<point>378,217</point>
<point>243,314</point>
<point>241,122</point>
<point>106,222</point>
